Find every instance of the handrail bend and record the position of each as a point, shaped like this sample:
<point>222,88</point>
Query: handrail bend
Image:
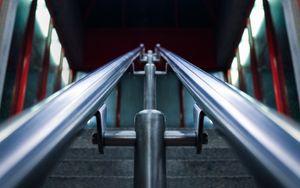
<point>269,142</point>
<point>31,142</point>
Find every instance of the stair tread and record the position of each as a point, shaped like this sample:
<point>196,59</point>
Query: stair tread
<point>169,177</point>
<point>172,182</point>
<point>83,166</point>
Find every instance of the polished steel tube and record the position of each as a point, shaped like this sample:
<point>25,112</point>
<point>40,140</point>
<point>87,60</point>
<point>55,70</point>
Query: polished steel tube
<point>150,157</point>
<point>179,137</point>
<point>119,137</point>
<point>268,142</point>
<point>31,142</point>
<point>150,86</point>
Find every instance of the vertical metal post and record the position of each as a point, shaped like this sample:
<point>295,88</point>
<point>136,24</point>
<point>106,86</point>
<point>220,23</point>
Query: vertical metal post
<point>254,68</point>
<point>8,9</point>
<point>150,84</point>
<point>150,157</point>
<point>26,57</point>
<point>276,66</point>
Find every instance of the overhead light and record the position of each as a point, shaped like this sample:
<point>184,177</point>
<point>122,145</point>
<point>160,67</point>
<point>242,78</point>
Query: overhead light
<point>65,74</point>
<point>244,48</point>
<point>55,48</point>
<point>257,17</point>
<point>42,17</point>
<point>234,73</point>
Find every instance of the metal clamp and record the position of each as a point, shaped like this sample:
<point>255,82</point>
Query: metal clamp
<point>98,137</point>
<point>202,137</point>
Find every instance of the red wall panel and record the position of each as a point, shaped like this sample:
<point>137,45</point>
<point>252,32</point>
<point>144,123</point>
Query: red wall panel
<point>195,45</point>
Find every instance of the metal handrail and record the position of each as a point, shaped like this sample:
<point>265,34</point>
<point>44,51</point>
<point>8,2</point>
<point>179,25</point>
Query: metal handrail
<point>31,142</point>
<point>268,142</point>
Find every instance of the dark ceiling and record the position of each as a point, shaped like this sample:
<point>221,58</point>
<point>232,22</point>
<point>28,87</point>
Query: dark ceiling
<point>145,13</point>
<point>80,23</point>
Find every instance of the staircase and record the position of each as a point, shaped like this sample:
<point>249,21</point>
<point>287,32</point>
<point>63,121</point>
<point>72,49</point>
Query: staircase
<point>83,167</point>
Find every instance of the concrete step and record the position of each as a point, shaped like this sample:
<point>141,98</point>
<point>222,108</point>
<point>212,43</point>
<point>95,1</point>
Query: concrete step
<point>82,148</point>
<point>174,168</point>
<point>82,166</point>
<point>127,182</point>
<point>211,153</point>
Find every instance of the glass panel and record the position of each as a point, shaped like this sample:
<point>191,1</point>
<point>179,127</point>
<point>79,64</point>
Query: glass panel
<point>257,20</point>
<point>285,55</point>
<point>244,52</point>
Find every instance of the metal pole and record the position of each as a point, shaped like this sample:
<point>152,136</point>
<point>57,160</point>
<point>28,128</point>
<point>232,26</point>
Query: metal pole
<point>150,158</point>
<point>150,84</point>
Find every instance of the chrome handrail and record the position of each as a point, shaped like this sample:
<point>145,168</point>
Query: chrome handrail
<point>31,141</point>
<point>268,142</point>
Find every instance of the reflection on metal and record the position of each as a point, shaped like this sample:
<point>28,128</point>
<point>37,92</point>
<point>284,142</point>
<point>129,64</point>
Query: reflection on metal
<point>150,87</point>
<point>150,137</point>
<point>267,141</point>
<point>127,137</point>
<point>150,153</point>
<point>31,142</point>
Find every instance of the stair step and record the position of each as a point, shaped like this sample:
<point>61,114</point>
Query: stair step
<point>127,182</point>
<point>82,166</point>
<point>82,148</point>
<point>171,153</point>
<point>174,168</point>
